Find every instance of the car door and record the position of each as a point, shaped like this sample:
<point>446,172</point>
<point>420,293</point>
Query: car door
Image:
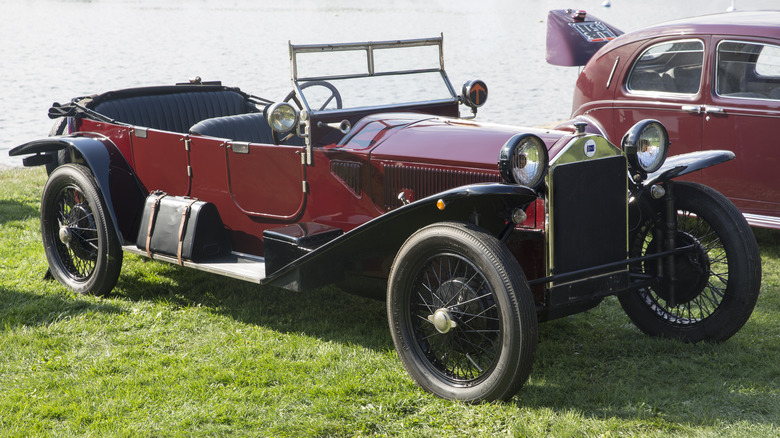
<point>266,181</point>
<point>161,160</point>
<point>665,83</point>
<point>251,184</point>
<point>742,115</point>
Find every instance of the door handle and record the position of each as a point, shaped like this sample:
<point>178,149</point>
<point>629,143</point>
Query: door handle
<point>696,109</point>
<point>714,110</point>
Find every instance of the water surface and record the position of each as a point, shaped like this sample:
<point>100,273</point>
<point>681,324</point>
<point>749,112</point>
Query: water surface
<point>56,50</point>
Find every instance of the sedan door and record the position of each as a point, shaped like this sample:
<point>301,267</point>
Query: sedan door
<point>665,82</point>
<point>743,114</point>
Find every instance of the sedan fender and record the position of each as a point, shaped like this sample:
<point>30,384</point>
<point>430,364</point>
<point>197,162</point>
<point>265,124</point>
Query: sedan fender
<point>376,242</point>
<point>114,177</point>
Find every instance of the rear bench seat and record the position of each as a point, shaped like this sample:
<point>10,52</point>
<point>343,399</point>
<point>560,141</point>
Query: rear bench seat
<point>251,127</point>
<point>175,108</point>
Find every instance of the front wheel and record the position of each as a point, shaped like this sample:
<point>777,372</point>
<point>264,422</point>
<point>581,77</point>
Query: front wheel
<point>461,314</point>
<point>81,245</point>
<point>717,284</point>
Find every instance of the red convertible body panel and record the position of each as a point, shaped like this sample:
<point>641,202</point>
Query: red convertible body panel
<point>471,232</point>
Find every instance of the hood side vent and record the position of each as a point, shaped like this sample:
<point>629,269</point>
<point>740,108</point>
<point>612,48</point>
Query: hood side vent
<point>349,173</point>
<point>420,182</point>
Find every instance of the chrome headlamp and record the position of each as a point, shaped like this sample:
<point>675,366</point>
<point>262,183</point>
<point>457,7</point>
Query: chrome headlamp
<point>646,145</point>
<point>282,117</point>
<point>523,160</point>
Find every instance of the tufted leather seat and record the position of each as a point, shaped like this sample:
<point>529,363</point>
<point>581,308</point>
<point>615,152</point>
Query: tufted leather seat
<point>174,111</point>
<point>251,127</point>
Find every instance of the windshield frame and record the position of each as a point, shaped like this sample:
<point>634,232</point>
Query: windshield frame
<point>368,48</point>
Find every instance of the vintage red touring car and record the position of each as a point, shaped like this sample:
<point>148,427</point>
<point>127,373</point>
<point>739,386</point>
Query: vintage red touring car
<point>472,232</point>
<point>713,81</point>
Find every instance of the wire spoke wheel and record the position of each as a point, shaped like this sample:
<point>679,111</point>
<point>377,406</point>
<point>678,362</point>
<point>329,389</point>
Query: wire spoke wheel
<point>461,314</point>
<point>82,248</point>
<point>716,284</point>
<point>702,274</point>
<point>457,324</point>
<point>77,244</point>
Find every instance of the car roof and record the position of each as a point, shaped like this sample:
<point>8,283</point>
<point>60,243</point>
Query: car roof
<point>740,23</point>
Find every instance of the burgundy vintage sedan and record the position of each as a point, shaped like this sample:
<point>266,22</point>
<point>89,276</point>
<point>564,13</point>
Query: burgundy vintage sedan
<point>713,81</point>
<point>366,176</point>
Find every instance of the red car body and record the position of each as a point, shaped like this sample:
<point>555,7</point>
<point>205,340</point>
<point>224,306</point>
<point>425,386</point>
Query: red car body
<point>713,81</point>
<point>472,232</point>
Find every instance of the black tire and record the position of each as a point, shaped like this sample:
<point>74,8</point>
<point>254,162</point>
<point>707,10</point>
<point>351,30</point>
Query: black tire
<point>457,272</point>
<point>718,284</point>
<point>82,248</point>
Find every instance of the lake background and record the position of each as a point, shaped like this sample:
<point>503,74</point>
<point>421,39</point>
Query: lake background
<point>56,50</point>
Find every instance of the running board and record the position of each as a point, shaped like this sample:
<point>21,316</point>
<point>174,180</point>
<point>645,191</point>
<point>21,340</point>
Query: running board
<point>236,265</point>
<point>758,220</point>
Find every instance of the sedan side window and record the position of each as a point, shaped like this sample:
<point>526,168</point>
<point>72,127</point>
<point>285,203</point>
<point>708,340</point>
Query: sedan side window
<point>748,70</point>
<point>673,67</point>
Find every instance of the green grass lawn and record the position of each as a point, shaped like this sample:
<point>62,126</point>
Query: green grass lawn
<point>175,352</point>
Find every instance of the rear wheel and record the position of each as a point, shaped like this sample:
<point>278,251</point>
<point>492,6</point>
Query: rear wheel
<point>81,245</point>
<point>461,314</point>
<point>717,283</point>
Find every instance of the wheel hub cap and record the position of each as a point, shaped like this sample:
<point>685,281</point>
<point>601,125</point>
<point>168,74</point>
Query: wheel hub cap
<point>65,235</point>
<point>442,320</point>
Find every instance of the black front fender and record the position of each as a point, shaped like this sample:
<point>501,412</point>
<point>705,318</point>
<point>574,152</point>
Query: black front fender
<point>116,181</point>
<point>679,165</point>
<point>376,242</point>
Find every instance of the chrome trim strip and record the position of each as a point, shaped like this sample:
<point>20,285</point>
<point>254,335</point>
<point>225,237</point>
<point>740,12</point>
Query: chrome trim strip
<point>759,220</point>
<point>612,73</point>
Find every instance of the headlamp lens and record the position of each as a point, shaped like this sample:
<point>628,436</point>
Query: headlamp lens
<point>282,117</point>
<point>646,145</point>
<point>523,160</point>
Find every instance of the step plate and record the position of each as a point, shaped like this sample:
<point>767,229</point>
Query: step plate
<point>234,265</point>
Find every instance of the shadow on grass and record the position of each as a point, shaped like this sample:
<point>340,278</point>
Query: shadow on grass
<point>599,365</point>
<point>11,210</point>
<point>768,241</point>
<point>33,309</point>
<point>326,313</point>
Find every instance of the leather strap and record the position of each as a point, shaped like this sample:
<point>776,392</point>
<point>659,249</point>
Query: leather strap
<point>185,214</point>
<point>152,217</point>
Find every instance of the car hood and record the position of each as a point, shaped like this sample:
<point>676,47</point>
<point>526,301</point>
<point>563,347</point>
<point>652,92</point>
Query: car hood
<point>422,139</point>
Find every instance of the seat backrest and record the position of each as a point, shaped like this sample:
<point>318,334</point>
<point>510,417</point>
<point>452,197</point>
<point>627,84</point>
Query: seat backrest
<point>174,112</point>
<point>646,81</point>
<point>686,78</point>
<point>252,127</point>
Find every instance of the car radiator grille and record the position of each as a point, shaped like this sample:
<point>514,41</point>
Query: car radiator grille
<point>589,214</point>
<point>421,182</point>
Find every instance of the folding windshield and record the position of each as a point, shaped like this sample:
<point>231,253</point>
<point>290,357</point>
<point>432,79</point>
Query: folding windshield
<point>372,74</point>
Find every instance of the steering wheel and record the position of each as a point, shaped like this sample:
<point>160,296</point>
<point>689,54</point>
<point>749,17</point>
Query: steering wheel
<point>334,94</point>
